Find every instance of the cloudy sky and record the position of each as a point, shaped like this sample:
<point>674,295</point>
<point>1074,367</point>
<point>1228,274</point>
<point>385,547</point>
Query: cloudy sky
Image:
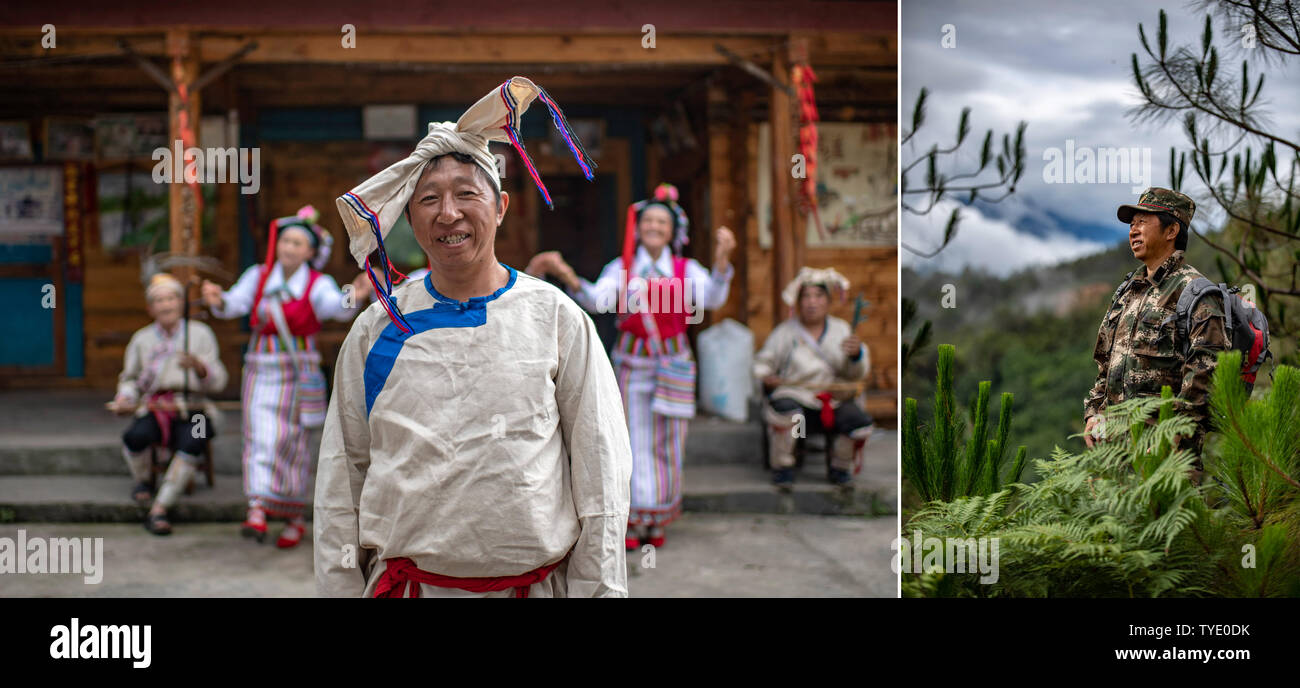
<point>1064,68</point>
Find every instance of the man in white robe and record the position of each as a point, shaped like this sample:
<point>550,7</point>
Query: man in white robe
<point>475,444</point>
<point>803,362</point>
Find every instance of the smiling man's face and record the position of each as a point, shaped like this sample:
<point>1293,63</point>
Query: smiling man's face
<point>454,214</point>
<point>1147,240</point>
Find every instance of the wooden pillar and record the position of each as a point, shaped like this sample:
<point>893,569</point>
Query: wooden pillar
<point>799,221</point>
<point>721,160</point>
<point>183,209</point>
<point>784,252</point>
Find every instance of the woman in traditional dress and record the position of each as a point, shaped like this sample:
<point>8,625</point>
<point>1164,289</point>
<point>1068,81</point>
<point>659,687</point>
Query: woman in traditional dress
<point>169,369</point>
<point>655,290</point>
<point>283,389</point>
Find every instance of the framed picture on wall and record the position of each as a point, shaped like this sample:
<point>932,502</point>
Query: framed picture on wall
<point>15,140</point>
<point>857,187</point>
<point>129,136</point>
<point>69,138</point>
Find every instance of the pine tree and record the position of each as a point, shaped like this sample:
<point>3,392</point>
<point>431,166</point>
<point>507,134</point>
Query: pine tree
<point>936,464</point>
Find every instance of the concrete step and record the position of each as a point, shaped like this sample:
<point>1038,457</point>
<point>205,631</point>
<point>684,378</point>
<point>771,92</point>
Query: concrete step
<point>67,432</point>
<point>725,488</point>
<point>710,441</point>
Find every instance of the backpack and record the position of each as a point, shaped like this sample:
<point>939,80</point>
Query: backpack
<point>1247,326</point>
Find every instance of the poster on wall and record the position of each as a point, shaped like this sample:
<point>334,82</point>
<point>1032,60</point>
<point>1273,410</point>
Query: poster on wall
<point>857,185</point>
<point>31,202</point>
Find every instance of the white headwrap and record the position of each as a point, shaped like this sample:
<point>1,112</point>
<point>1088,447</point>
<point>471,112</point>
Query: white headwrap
<point>162,283</point>
<point>371,209</point>
<point>827,277</point>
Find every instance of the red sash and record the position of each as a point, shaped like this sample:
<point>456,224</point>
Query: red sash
<point>670,294</point>
<point>298,314</point>
<point>401,574</point>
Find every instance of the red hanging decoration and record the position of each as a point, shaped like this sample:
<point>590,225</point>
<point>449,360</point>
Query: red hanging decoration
<point>804,78</point>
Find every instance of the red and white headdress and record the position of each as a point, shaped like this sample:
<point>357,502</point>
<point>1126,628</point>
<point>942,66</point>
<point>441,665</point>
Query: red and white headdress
<point>665,195</point>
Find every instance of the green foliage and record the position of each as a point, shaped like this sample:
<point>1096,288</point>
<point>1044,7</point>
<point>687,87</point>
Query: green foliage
<point>1120,519</point>
<point>919,341</point>
<point>1257,455</point>
<point>933,462</point>
<point>1124,519</point>
<point>968,184</point>
<point>1236,153</point>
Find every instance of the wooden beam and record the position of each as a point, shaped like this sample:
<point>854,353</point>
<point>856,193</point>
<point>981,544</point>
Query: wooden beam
<point>23,48</point>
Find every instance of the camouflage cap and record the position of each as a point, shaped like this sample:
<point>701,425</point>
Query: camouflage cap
<point>1157,200</point>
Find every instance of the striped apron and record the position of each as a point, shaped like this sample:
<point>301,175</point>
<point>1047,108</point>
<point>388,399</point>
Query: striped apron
<point>279,405</point>
<point>658,442</point>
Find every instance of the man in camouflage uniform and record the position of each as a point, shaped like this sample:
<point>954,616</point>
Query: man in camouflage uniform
<point>1138,350</point>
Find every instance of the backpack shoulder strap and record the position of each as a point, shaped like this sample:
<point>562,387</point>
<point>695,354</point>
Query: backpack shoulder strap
<point>1192,292</point>
<point>1122,288</point>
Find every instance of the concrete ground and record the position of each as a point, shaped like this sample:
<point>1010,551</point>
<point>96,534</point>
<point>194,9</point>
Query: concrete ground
<point>707,555</point>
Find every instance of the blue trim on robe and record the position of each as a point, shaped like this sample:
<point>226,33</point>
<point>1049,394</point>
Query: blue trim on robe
<point>445,313</point>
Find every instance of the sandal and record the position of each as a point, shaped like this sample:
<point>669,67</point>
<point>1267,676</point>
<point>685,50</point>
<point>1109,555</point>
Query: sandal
<point>254,526</point>
<point>158,524</point>
<point>142,494</point>
<point>291,535</point>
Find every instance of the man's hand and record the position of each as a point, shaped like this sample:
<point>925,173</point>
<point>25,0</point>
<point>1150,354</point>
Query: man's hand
<point>771,382</point>
<point>851,345</point>
<point>362,290</point>
<point>724,244</point>
<point>552,263</point>
<point>121,406</point>
<point>192,361</point>
<point>211,294</point>
<point>1093,421</point>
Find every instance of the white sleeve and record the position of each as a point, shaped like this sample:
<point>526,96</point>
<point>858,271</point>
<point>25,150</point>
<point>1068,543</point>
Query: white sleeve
<point>131,367</point>
<point>328,300</point>
<point>772,354</point>
<point>600,458</point>
<point>341,564</point>
<point>602,296</point>
<point>239,298</point>
<point>208,351</point>
<point>710,288</point>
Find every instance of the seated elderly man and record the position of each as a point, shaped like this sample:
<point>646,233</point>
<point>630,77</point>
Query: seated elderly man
<point>153,388</point>
<point>806,363</point>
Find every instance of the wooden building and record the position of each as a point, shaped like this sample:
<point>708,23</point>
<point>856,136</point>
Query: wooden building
<point>696,94</point>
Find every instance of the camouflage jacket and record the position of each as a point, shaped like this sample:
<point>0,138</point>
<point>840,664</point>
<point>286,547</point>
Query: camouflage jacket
<point>1137,352</point>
